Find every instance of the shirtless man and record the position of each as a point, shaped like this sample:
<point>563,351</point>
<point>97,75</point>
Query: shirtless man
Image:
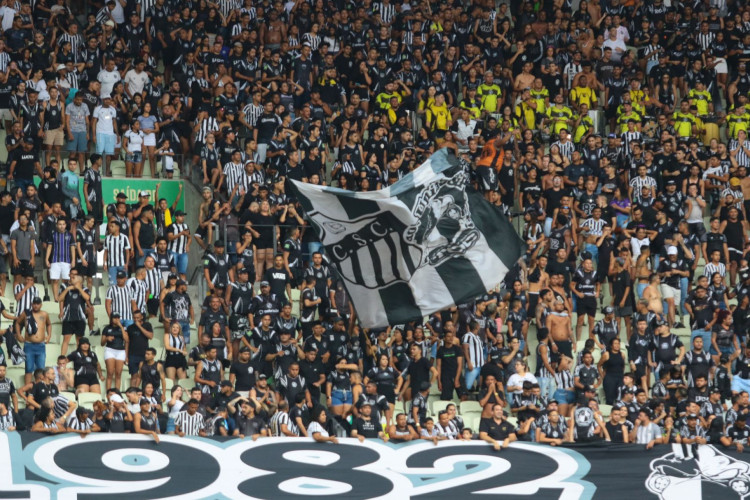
<point>37,331</point>
<point>525,79</point>
<point>556,284</point>
<point>642,270</point>
<point>560,328</point>
<point>274,32</point>
<point>652,293</point>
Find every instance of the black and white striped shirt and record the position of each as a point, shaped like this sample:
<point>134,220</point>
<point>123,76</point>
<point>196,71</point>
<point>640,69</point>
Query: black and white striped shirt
<point>138,289</point>
<point>7,421</point>
<point>594,226</point>
<point>450,431</point>
<point>73,78</point>
<point>77,425</point>
<point>207,125</point>
<point>4,61</point>
<point>564,380</point>
<point>24,303</point>
<point>712,268</point>
<point>476,353</point>
<point>627,139</point>
<point>387,12</point>
<point>116,247</point>
<point>637,183</point>
<point>76,44</point>
<point>234,172</point>
<point>705,40</point>
<point>191,425</point>
<point>121,301</point>
<point>146,6</point>
<point>743,160</point>
<point>153,281</point>
<point>566,149</point>
<point>313,40</point>
<point>227,6</point>
<point>179,244</point>
<point>252,112</point>
<point>283,419</point>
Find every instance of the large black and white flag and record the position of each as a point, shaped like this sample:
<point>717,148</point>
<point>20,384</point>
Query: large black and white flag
<point>425,243</point>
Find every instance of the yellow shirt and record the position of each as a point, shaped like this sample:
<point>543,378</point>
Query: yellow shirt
<point>683,123</point>
<point>622,120</point>
<point>541,97</point>
<point>583,95</point>
<point>526,113</point>
<point>384,99</point>
<point>559,117</point>
<point>490,96</point>
<point>736,122</point>
<point>584,126</point>
<point>474,107</point>
<point>701,99</point>
<point>439,116</point>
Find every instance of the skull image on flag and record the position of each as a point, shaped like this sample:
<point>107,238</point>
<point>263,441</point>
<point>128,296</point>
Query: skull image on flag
<point>427,242</point>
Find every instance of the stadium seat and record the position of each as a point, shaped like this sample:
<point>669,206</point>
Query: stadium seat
<point>52,351</point>
<point>472,421</point>
<point>186,383</point>
<point>89,398</point>
<point>605,409</point>
<point>438,406</point>
<point>70,396</point>
<point>470,407</point>
<point>16,374</point>
<point>169,384</point>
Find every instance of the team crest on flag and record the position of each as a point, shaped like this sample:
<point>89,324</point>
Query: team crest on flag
<point>427,242</point>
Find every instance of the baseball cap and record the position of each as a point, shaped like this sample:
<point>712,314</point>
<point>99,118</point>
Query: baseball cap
<point>115,315</point>
<point>60,67</point>
<point>671,182</point>
<point>609,310</point>
<point>225,383</point>
<point>37,300</point>
<point>589,388</point>
<point>116,398</point>
<point>262,376</point>
<point>734,181</point>
<point>144,193</point>
<point>244,348</point>
<point>144,401</point>
<point>106,96</point>
<point>692,415</point>
<point>219,244</point>
<point>181,282</point>
<point>264,283</point>
<point>672,250</point>
<point>178,213</point>
<point>121,274</point>
<point>243,270</point>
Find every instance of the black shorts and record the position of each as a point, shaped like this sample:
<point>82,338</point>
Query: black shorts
<point>586,306</point>
<point>23,268</point>
<point>134,362</point>
<point>87,271</point>
<point>77,328</point>
<point>85,380</point>
<point>735,255</point>
<point>565,347</point>
<point>175,361</point>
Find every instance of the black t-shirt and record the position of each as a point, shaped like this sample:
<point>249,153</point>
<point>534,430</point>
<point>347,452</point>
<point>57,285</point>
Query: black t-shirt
<point>419,371</point>
<point>497,431</point>
<point>449,359</point>
<point>366,428</point>
<point>245,375</point>
<point>138,341</point>
<point>615,432</point>
<point>41,391</point>
<point>7,389</point>
<point>118,343</point>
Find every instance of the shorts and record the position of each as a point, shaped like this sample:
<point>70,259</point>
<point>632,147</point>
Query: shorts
<point>134,362</point>
<point>564,397</point>
<point>116,354</point>
<point>565,347</point>
<point>77,328</point>
<point>735,255</point>
<point>88,271</point>
<point>54,137</point>
<point>623,312</point>
<point>667,292</point>
<point>134,157</point>
<point>85,380</point>
<point>24,267</point>
<point>175,361</point>
<point>149,139</point>
<point>5,115</point>
<point>339,397</point>
<point>586,305</point>
<point>105,143</point>
<point>79,143</point>
<point>723,349</point>
<point>59,270</point>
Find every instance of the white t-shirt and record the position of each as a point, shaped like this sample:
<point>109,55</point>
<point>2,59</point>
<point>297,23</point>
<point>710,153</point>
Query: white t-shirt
<point>118,14</point>
<point>516,380</point>
<point>316,427</point>
<point>7,14</point>
<point>108,80</point>
<point>105,119</point>
<point>135,140</point>
<point>136,81</point>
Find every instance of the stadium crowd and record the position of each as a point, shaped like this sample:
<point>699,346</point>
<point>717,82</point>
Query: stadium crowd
<point>617,130</point>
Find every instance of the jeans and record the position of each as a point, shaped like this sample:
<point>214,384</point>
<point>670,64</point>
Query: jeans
<point>23,183</point>
<point>185,325</point>
<point>680,308</point>
<point>594,251</point>
<point>112,271</point>
<point>546,385</point>
<point>471,376</point>
<point>262,149</point>
<point>36,356</point>
<point>126,322</point>
<point>639,287</point>
<point>146,252</point>
<point>180,262</point>
<point>547,226</point>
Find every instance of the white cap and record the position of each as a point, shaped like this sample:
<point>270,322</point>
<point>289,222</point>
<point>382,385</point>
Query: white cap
<point>116,398</point>
<point>110,23</point>
<point>672,250</point>
<point>60,67</point>
<point>106,96</point>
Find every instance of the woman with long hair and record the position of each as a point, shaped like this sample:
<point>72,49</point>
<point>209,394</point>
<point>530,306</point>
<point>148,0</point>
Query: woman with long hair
<point>611,369</point>
<point>265,224</point>
<point>86,367</point>
<point>149,127</point>
<point>175,364</point>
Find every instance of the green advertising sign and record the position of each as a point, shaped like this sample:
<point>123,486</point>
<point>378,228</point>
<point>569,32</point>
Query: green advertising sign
<point>168,189</point>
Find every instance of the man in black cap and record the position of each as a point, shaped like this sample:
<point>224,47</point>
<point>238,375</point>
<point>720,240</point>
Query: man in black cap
<point>177,306</point>
<point>692,433</point>
<point>265,303</point>
<point>606,329</point>
<point>240,307</point>
<point>367,425</point>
